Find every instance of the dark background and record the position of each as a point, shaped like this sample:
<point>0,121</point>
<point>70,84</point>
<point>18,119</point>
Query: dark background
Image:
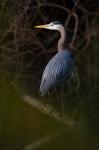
<point>25,51</point>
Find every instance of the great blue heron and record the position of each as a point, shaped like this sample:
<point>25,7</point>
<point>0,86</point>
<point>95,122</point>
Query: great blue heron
<point>60,67</point>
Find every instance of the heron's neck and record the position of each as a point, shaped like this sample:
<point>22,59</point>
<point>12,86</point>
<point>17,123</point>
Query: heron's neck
<point>62,39</point>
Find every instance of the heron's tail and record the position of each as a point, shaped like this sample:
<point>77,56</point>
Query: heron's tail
<point>43,88</point>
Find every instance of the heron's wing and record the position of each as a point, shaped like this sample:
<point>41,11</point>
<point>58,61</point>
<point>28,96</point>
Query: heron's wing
<point>56,70</point>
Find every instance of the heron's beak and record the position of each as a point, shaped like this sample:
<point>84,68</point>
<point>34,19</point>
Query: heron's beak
<point>42,26</point>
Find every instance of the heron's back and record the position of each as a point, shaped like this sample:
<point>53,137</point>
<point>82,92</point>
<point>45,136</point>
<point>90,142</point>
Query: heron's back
<point>57,70</point>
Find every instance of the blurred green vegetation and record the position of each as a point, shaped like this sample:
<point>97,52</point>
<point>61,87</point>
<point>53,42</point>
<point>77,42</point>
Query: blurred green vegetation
<point>20,124</point>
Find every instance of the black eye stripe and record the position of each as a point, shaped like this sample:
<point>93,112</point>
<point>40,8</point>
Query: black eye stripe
<point>55,23</point>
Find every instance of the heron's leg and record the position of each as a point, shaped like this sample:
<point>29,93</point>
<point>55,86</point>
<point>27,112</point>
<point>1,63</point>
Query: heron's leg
<point>50,95</point>
<point>58,99</point>
<point>62,98</point>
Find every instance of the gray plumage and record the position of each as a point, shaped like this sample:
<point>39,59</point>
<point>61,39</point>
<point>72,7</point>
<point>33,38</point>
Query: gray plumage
<point>57,70</point>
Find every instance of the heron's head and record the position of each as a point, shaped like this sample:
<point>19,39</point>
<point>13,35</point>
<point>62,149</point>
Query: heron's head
<point>56,25</point>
